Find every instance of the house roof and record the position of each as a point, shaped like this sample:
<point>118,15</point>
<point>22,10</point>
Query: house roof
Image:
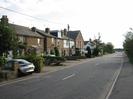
<point>54,31</point>
<point>63,37</point>
<point>73,34</point>
<point>89,42</point>
<point>25,31</point>
<point>66,38</point>
<point>85,42</point>
<point>42,32</point>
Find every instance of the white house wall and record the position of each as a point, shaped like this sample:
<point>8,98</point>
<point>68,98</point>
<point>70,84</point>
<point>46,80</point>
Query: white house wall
<point>68,44</point>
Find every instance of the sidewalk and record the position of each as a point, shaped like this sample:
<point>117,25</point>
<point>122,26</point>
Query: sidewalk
<point>124,86</point>
<point>66,64</point>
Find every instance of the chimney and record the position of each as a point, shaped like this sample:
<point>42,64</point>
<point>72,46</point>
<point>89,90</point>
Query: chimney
<point>62,33</point>
<point>65,32</point>
<point>68,27</point>
<point>47,30</point>
<point>33,29</point>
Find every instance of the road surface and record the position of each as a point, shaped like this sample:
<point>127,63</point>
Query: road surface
<point>92,79</point>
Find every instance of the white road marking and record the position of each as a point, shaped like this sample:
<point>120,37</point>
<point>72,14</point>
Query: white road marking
<point>68,77</point>
<point>116,75</point>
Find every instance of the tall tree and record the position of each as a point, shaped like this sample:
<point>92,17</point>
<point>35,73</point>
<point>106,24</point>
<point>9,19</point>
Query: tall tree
<point>128,45</point>
<point>8,38</point>
<point>108,48</point>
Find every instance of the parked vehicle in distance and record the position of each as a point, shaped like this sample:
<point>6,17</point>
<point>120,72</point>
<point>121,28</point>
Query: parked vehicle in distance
<point>25,67</point>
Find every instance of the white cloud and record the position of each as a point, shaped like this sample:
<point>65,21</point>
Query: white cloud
<point>110,17</point>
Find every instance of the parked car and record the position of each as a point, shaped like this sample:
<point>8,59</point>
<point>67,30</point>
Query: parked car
<point>25,67</point>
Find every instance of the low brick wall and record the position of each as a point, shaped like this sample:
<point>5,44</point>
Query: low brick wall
<point>9,74</point>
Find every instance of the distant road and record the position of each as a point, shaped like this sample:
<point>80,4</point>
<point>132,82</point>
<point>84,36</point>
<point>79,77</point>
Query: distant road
<point>90,80</point>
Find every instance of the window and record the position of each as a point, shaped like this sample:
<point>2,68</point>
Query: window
<point>21,39</point>
<point>38,41</point>
<point>52,40</point>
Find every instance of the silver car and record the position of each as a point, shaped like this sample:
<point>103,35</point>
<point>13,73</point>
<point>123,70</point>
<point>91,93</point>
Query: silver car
<point>24,66</point>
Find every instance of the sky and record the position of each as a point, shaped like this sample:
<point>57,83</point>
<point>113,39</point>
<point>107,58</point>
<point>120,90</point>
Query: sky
<point>109,18</point>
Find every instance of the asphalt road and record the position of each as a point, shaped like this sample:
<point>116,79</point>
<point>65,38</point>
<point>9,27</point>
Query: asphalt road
<point>123,88</point>
<point>89,80</point>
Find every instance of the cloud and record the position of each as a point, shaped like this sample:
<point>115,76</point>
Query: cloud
<point>110,17</point>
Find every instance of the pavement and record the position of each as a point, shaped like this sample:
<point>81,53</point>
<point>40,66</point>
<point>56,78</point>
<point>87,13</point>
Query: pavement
<point>123,88</point>
<point>66,64</point>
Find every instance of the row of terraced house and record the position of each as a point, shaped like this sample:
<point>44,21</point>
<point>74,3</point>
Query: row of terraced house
<point>44,41</point>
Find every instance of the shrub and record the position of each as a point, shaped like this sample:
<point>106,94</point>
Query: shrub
<point>75,57</point>
<point>128,45</point>
<point>53,60</point>
<point>38,62</point>
<point>77,52</point>
<point>96,51</point>
<point>2,61</point>
<point>56,50</point>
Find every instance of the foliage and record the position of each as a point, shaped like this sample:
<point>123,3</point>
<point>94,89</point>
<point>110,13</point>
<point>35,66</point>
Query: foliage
<point>108,48</point>
<point>77,52</point>
<point>56,50</point>
<point>2,61</point>
<point>53,60</point>
<point>8,38</point>
<point>75,57</point>
<point>128,45</point>
<point>100,48</point>
<point>88,52</point>
<point>96,51</point>
<point>52,52</point>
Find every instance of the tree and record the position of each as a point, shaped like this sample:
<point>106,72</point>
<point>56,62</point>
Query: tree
<point>88,52</point>
<point>98,48</point>
<point>8,38</point>
<point>128,45</point>
<point>109,48</point>
<point>56,50</point>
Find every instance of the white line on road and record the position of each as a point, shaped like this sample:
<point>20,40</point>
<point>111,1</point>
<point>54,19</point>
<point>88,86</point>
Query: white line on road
<point>68,77</point>
<point>116,75</point>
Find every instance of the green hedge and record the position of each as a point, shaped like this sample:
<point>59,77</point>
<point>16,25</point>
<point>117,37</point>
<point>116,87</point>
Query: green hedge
<point>128,45</point>
<point>53,60</point>
<point>75,57</point>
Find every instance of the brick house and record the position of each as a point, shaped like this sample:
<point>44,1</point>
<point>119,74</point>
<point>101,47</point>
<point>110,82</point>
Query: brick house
<point>29,37</point>
<point>64,43</point>
<point>50,41</point>
<point>59,40</point>
<point>78,39</point>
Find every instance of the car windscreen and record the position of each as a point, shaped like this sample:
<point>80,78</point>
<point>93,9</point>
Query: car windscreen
<point>24,62</point>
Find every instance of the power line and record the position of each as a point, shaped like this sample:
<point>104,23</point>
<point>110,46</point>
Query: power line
<point>30,16</point>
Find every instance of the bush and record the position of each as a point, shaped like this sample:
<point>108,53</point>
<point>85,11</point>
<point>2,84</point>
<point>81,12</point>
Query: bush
<point>128,45</point>
<point>56,50</point>
<point>75,57</point>
<point>38,62</point>
<point>2,61</point>
<point>77,52</point>
<point>53,60</point>
<point>95,52</point>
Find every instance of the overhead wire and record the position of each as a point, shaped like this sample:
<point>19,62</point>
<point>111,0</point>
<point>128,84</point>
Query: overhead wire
<point>37,18</point>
